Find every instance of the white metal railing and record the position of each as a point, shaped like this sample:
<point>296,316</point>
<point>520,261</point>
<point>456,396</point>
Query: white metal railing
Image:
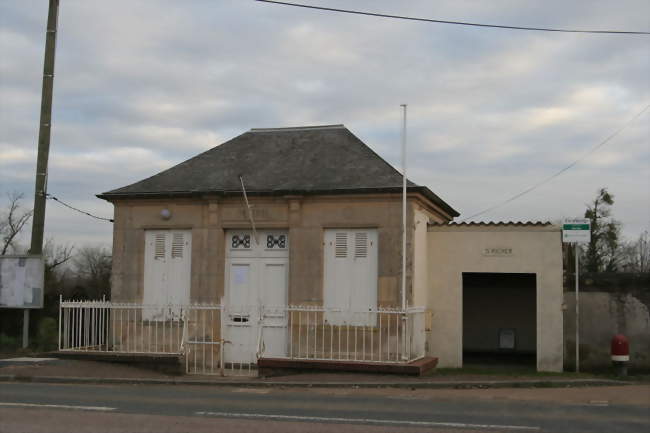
<point>377,335</point>
<point>121,327</point>
<point>113,327</point>
<point>199,332</point>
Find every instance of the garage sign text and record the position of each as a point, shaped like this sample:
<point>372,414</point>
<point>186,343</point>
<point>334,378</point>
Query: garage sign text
<point>501,252</point>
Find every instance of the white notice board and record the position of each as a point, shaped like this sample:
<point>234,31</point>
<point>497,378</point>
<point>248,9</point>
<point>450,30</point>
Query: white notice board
<point>21,281</point>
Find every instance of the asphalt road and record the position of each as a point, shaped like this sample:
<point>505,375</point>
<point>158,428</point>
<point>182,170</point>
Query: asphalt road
<point>159,408</point>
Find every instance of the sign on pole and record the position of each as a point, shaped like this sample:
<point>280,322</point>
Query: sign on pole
<point>576,230</point>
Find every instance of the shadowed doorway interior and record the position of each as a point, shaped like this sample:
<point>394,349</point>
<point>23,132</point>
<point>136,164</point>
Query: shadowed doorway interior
<point>499,319</point>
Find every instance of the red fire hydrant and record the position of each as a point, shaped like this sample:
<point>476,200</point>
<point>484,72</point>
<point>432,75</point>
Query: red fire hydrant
<point>620,350</point>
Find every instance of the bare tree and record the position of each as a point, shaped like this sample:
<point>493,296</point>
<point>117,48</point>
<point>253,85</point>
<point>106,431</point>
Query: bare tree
<point>56,254</point>
<point>93,269</point>
<point>636,255</point>
<point>57,275</point>
<point>12,221</point>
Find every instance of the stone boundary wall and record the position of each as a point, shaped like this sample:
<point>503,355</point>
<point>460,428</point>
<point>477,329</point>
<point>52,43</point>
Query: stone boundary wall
<point>610,304</point>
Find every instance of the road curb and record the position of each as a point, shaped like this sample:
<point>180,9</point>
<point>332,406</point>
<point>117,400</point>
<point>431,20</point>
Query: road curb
<point>575,383</point>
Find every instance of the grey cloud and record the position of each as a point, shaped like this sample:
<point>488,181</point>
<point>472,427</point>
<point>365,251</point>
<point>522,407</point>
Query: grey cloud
<point>490,111</point>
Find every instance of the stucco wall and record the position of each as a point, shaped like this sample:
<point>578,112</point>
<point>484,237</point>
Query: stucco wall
<point>420,255</point>
<point>304,217</point>
<point>456,249</point>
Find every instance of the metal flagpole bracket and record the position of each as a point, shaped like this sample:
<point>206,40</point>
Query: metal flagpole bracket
<point>248,208</point>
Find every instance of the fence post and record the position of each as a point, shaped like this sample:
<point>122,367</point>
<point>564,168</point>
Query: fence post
<point>59,339</point>
<point>407,336</point>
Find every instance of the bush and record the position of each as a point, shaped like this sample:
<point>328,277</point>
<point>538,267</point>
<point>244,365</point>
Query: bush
<point>7,343</point>
<point>47,334</point>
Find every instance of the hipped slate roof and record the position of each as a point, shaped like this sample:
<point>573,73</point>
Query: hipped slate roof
<point>280,161</point>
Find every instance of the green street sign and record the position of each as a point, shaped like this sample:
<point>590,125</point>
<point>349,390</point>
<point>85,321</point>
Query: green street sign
<point>576,230</point>
<point>575,227</point>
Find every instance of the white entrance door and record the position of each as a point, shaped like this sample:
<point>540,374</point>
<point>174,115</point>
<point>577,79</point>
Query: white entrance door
<point>257,275</point>
<point>167,266</point>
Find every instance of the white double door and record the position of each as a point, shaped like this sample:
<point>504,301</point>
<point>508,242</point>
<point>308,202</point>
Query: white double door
<point>256,285</point>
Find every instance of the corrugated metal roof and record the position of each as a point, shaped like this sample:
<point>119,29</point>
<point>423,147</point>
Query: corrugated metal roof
<point>493,223</point>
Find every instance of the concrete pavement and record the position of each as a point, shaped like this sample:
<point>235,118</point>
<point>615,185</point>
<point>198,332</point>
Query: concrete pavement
<point>84,371</point>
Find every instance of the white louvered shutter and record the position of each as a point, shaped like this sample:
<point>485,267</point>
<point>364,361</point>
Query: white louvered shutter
<point>179,269</point>
<point>160,245</point>
<point>341,245</point>
<point>350,282</point>
<point>155,269</point>
<point>360,245</point>
<point>166,272</point>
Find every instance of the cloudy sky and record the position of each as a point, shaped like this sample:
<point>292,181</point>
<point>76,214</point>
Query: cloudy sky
<point>143,85</point>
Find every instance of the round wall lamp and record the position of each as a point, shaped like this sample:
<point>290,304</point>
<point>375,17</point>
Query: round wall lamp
<point>165,214</point>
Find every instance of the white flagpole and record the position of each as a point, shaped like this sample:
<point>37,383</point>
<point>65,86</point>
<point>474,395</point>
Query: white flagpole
<point>404,208</point>
<point>576,252</point>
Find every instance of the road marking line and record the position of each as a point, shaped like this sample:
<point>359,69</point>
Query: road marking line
<point>252,390</point>
<point>364,421</point>
<point>58,406</point>
<point>405,397</point>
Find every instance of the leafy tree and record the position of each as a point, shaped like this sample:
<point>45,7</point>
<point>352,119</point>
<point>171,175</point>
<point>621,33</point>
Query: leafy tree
<point>603,252</point>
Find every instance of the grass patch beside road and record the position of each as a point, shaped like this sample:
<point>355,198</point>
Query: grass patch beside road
<point>518,372</point>
<point>505,372</point>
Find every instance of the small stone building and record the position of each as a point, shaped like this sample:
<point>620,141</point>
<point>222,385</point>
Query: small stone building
<point>312,216</point>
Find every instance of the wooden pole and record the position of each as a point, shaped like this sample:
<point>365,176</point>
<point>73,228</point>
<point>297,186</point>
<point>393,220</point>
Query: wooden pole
<point>45,126</point>
<point>44,129</point>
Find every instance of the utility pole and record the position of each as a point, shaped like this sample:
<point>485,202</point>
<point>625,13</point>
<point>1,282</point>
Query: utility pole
<point>44,129</point>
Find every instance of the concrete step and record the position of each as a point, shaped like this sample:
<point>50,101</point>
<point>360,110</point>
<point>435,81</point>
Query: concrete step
<point>169,363</point>
<point>275,366</point>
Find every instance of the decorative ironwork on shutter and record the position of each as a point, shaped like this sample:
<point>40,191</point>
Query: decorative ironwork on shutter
<point>159,246</point>
<point>341,245</point>
<point>178,244</point>
<point>360,245</point>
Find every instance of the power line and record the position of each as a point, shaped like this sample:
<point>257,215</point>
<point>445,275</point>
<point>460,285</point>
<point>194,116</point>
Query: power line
<point>460,23</point>
<point>50,196</point>
<point>553,176</point>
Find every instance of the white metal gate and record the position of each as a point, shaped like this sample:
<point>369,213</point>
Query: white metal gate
<point>256,282</point>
